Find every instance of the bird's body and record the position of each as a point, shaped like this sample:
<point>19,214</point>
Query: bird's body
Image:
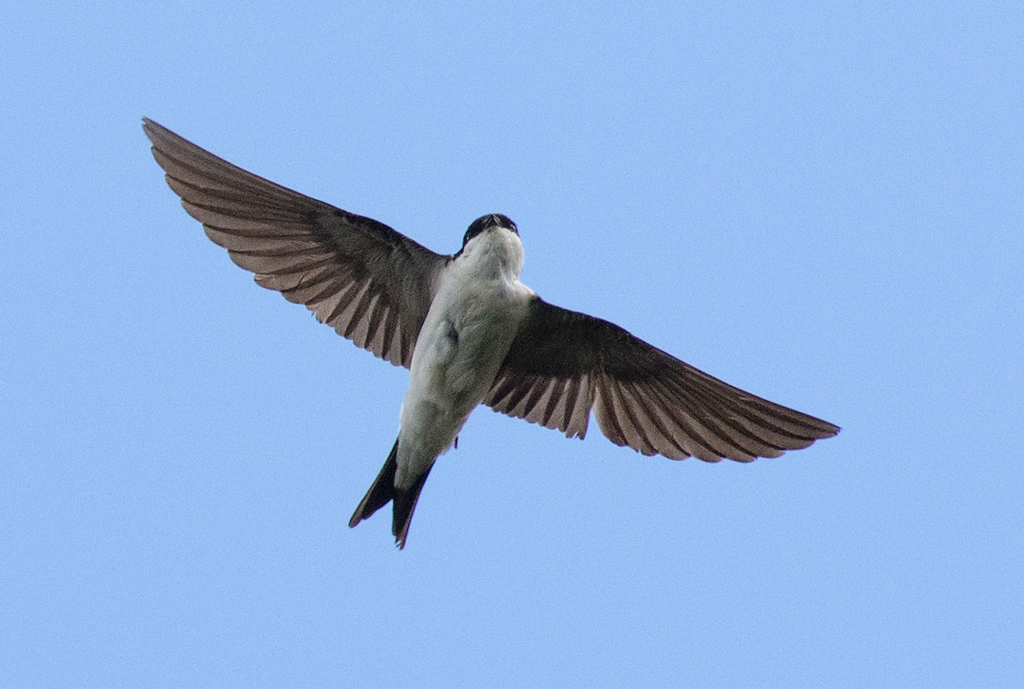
<point>467,334</point>
<point>476,313</point>
<point>469,331</point>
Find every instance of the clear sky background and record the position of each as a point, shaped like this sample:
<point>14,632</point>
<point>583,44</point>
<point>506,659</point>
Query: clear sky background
<point>821,203</point>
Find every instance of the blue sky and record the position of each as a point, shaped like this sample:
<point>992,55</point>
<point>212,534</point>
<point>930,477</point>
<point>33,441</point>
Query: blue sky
<point>818,202</point>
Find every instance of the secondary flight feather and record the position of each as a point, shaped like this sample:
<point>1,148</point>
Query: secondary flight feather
<point>469,331</point>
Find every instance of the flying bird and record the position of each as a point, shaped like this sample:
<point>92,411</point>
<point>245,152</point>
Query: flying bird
<point>469,332</point>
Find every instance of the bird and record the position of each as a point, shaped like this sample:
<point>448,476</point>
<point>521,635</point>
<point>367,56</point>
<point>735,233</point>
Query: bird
<point>469,331</point>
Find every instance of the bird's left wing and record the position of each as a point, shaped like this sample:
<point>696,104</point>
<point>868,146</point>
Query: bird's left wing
<point>370,283</point>
<point>563,363</point>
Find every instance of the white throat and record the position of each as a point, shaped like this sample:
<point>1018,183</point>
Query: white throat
<point>494,254</point>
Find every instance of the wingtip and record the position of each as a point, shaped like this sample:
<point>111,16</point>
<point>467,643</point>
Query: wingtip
<point>154,130</point>
<point>828,430</point>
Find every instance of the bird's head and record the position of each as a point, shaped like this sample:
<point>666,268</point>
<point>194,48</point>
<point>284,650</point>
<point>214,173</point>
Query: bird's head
<point>484,223</point>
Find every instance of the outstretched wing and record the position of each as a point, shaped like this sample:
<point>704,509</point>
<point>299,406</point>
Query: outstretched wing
<point>364,279</point>
<point>563,363</point>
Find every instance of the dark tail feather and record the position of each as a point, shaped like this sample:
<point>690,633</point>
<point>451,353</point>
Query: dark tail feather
<point>383,491</point>
<point>405,504</point>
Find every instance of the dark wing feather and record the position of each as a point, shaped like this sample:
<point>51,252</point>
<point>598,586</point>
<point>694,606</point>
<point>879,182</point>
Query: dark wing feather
<point>563,363</point>
<point>364,279</point>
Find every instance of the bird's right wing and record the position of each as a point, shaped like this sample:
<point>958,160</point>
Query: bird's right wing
<point>370,283</point>
<point>564,363</point>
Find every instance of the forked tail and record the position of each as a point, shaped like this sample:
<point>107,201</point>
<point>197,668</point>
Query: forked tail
<point>384,491</point>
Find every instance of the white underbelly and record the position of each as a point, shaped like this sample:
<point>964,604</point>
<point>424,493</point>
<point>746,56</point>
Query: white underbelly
<point>460,347</point>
